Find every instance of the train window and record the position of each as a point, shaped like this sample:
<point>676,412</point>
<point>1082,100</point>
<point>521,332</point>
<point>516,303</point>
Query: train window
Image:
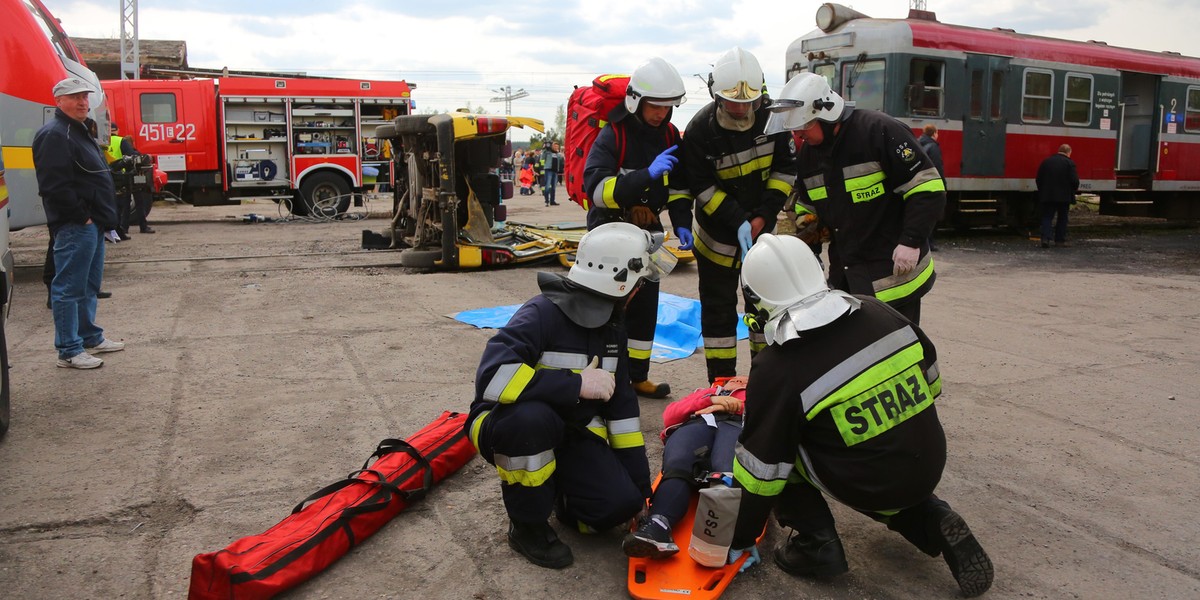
<point>862,83</point>
<point>827,71</point>
<point>1077,108</point>
<point>977,95</point>
<point>1191,120</point>
<point>925,86</point>
<point>1035,99</point>
<point>158,108</point>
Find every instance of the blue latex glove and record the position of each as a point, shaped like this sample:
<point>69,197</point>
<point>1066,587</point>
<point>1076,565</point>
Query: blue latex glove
<point>745,239</point>
<point>753,559</point>
<point>685,238</point>
<point>663,163</point>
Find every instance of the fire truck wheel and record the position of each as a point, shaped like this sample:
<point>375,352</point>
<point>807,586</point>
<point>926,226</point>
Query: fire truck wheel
<point>322,195</point>
<point>420,259</point>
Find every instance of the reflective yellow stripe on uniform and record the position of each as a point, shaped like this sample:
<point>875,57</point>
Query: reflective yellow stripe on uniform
<point>529,471</point>
<point>934,376</point>
<point>475,426</point>
<point>710,199</point>
<point>604,193</point>
<point>816,189</point>
<point>884,406</point>
<point>837,384</point>
<point>720,253</point>
<point>758,477</point>
<point>640,349</point>
<point>864,182</point>
<point>896,287</point>
<point>872,400</point>
<point>720,347</point>
<point>597,426</point>
<point>746,162</point>
<point>781,182</point>
<point>625,433</point>
<point>508,382</point>
<point>927,180</point>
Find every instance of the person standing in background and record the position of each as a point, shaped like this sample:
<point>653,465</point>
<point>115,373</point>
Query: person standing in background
<point>80,203</point>
<point>929,143</point>
<point>1057,184</point>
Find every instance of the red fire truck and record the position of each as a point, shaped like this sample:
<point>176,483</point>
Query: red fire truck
<point>304,141</point>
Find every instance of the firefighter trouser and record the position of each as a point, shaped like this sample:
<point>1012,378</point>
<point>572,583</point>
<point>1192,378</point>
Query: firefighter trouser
<point>641,319</point>
<point>542,460</point>
<point>719,286</point>
<point>802,507</point>
<point>694,448</point>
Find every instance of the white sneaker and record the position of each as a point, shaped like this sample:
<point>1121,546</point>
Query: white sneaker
<point>107,346</point>
<point>83,360</point>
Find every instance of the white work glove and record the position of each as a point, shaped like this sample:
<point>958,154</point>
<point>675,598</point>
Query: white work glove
<point>904,259</point>
<point>111,235</point>
<point>597,383</point>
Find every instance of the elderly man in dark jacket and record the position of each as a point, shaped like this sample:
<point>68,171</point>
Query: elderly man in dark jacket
<point>80,203</point>
<point>1057,183</point>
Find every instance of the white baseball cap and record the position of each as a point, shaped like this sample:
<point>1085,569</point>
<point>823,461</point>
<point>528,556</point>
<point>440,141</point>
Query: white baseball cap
<point>71,85</point>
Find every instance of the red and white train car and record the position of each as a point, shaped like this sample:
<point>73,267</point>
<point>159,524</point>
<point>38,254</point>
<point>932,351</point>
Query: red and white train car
<point>1003,101</point>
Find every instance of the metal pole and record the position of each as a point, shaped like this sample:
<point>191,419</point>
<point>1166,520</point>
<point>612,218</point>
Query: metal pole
<point>130,56</point>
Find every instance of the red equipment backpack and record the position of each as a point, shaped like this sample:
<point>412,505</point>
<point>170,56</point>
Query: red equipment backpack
<point>587,114</point>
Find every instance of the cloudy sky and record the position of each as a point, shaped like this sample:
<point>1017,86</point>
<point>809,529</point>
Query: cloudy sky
<point>460,52</point>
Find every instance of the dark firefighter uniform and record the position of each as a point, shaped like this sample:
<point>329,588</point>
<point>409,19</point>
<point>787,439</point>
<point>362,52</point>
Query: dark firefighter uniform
<point>617,179</point>
<point>735,176</point>
<point>549,446</point>
<point>846,409</point>
<point>874,188</point>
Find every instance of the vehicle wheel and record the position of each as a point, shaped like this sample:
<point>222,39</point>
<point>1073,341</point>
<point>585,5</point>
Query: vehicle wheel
<point>420,259</point>
<point>4,404</point>
<point>322,195</point>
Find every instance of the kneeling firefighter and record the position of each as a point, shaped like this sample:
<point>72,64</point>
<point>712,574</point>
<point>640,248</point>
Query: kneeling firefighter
<point>554,409</point>
<point>841,402</point>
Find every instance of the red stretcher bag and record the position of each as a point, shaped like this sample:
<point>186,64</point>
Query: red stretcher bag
<point>328,523</point>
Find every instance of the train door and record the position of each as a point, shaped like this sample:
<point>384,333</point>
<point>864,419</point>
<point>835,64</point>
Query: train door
<point>1135,146</point>
<point>983,122</point>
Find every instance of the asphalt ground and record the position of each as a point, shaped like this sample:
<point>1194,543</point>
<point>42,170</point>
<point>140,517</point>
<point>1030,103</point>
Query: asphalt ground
<point>266,360</point>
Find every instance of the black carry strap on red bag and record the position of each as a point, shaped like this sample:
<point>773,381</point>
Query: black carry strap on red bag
<point>332,520</point>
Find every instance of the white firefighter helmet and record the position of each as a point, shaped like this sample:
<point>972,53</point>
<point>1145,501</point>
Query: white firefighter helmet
<point>736,77</point>
<point>803,99</point>
<point>784,279</point>
<point>656,81</point>
<point>613,258</point>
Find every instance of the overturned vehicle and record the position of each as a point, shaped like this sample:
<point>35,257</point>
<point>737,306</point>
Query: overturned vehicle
<point>448,191</point>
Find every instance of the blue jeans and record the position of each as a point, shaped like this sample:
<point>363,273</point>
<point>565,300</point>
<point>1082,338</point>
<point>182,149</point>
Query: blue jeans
<point>549,183</point>
<point>79,262</point>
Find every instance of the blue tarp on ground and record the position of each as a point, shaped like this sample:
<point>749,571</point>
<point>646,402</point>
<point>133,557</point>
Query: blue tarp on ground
<point>677,335</point>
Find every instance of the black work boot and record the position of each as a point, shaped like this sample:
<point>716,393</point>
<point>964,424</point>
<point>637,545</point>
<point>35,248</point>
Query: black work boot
<point>817,554</point>
<point>651,540</point>
<point>969,564</point>
<point>538,543</point>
